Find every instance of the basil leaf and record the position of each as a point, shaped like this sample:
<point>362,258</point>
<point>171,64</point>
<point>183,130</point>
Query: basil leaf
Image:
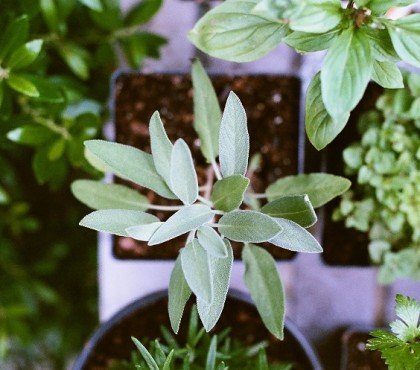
<point>207,113</point>
<point>387,75</point>
<point>248,226</point>
<point>186,219</point>
<point>15,34</point>
<point>184,181</point>
<point>25,55</point>
<point>295,238</point>
<point>381,44</point>
<point>98,195</point>
<point>346,72</point>
<point>116,221</point>
<point>131,164</point>
<point>195,265</point>
<point>211,241</point>
<point>231,31</point>
<point>143,232</point>
<point>234,138</point>
<point>22,85</point>
<point>320,187</point>
<point>304,42</point>
<point>380,7</point>
<point>228,193</point>
<point>320,127</point>
<point>263,281</point>
<point>296,208</point>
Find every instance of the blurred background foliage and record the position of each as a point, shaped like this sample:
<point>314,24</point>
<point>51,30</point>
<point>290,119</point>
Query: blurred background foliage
<point>56,60</point>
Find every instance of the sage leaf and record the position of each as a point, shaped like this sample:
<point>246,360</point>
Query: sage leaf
<point>161,147</point>
<point>228,193</point>
<point>320,187</point>
<point>184,181</point>
<point>207,112</point>
<point>143,232</point>
<point>405,36</point>
<point>98,195</point>
<point>148,358</point>
<point>186,219</point>
<point>296,208</point>
<point>25,55</point>
<point>234,138</point>
<point>195,265</point>
<point>295,238</point>
<point>305,42</point>
<point>346,71</point>
<point>22,85</point>
<point>248,226</point>
<point>178,295</point>
<point>263,281</point>
<point>116,221</point>
<point>387,75</point>
<point>321,128</point>
<point>211,241</point>
<point>221,269</point>
<point>232,31</point>
<point>131,164</point>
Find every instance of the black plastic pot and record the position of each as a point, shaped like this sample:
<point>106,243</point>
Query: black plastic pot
<point>295,345</point>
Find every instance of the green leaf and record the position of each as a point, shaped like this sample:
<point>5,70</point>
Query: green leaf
<point>25,55</point>
<point>381,44</point>
<point>98,195</point>
<point>56,149</point>
<point>178,295</point>
<point>346,71</point>
<point>142,12</point>
<point>221,269</point>
<point>22,85</point>
<point>320,187</point>
<point>15,34</point>
<point>264,284</point>
<point>30,135</point>
<point>131,164</point>
<point>305,42</point>
<point>387,74</point>
<point>405,36</point>
<point>295,238</point>
<point>248,226</point>
<point>231,31</point>
<point>196,270</point>
<point>143,232</point>
<point>207,113</point>
<point>146,355</point>
<point>50,13</point>
<point>116,221</point>
<point>382,6</point>
<point>76,58</point>
<point>186,219</point>
<point>92,4</point>
<point>228,193</point>
<point>407,325</point>
<point>48,91</point>
<point>321,128</point>
<point>296,208</point>
<point>184,181</point>
<point>211,354</point>
<point>110,18</point>
<point>234,138</point>
<point>168,362</point>
<point>211,241</point>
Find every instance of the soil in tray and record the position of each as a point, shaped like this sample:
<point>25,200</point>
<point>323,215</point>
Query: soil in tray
<point>360,358</point>
<point>344,246</point>
<point>272,105</point>
<point>242,318</point>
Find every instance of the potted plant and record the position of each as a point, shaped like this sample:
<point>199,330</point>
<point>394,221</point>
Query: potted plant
<point>228,205</point>
<point>238,341</point>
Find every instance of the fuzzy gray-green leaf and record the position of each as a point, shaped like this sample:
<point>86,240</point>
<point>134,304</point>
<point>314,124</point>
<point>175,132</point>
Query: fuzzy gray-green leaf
<point>116,221</point>
<point>184,181</point>
<point>211,241</point>
<point>143,232</point>
<point>186,219</point>
<point>228,193</point>
<point>234,138</point>
<point>248,226</point>
<point>98,195</point>
<point>131,164</point>
<point>195,265</point>
<point>263,281</point>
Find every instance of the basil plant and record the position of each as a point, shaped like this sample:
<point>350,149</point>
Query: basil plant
<point>362,44</point>
<point>212,222</point>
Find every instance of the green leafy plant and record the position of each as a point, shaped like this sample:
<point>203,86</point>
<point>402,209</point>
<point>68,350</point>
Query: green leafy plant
<point>212,222</point>
<point>362,44</point>
<point>400,348</point>
<point>201,351</point>
<point>386,200</point>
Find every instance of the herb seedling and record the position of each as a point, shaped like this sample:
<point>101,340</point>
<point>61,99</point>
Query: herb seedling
<point>362,44</point>
<point>204,265</point>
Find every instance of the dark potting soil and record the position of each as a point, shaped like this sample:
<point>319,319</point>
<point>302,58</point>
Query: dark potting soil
<point>241,317</point>
<point>344,246</point>
<point>358,357</point>
<point>272,105</point>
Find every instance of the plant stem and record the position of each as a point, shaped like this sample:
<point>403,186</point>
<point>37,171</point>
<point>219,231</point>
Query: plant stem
<point>257,195</point>
<point>216,170</point>
<point>212,225</point>
<point>161,208</point>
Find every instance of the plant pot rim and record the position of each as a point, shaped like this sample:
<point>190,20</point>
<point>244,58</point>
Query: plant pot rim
<point>153,297</point>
